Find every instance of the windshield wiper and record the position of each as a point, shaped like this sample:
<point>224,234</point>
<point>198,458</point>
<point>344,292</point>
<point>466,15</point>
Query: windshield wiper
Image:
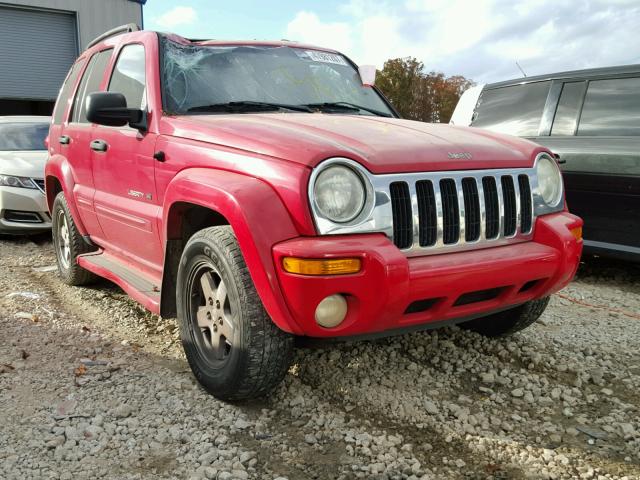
<point>248,106</point>
<point>346,106</point>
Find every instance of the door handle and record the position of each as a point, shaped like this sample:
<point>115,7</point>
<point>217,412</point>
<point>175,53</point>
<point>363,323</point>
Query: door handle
<point>99,145</point>
<point>64,139</point>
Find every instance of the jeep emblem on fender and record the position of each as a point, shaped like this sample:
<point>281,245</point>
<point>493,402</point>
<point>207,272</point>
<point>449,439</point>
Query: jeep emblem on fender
<point>460,155</point>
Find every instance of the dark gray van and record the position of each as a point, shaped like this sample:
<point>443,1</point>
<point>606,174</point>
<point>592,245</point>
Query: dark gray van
<point>591,119</point>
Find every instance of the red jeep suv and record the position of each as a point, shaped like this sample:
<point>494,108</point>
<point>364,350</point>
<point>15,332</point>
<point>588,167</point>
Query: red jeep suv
<point>260,191</point>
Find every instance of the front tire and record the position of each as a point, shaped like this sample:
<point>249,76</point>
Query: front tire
<point>233,348</point>
<point>68,244</point>
<point>508,322</point>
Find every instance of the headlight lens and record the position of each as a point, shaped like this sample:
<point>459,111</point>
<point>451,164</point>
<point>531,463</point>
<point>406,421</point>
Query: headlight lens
<point>549,181</point>
<point>19,182</point>
<point>339,193</point>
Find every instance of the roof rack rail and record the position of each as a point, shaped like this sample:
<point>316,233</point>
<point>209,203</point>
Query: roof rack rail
<point>130,27</point>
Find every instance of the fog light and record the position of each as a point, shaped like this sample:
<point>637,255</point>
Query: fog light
<point>577,233</point>
<point>331,311</point>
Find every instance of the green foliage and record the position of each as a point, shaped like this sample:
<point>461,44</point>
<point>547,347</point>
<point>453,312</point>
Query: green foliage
<point>416,95</point>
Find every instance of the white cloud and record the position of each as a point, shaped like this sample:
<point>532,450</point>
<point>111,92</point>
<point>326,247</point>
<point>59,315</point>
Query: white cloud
<point>307,27</point>
<point>481,39</point>
<point>176,16</point>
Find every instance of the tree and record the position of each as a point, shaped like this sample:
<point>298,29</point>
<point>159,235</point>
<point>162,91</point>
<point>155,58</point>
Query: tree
<point>427,97</point>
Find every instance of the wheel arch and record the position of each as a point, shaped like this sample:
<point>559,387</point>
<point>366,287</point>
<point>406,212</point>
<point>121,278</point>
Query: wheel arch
<point>59,178</point>
<point>198,198</point>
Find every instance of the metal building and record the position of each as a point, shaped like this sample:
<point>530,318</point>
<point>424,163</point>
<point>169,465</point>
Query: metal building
<point>40,39</point>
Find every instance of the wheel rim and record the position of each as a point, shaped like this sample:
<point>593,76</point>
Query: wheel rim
<point>64,243</point>
<point>213,317</point>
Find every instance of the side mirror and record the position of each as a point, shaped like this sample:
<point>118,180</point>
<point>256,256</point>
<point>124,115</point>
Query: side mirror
<point>110,109</point>
<point>367,75</point>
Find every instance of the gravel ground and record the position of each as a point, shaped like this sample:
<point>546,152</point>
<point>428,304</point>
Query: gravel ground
<point>92,386</point>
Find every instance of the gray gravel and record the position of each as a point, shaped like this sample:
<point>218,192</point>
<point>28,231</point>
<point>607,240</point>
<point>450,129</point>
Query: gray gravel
<point>92,386</point>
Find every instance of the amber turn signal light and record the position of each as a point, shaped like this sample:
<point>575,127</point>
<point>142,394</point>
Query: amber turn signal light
<point>314,266</point>
<point>577,233</point>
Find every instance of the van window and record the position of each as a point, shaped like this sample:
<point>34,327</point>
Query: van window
<point>611,108</point>
<point>90,83</point>
<point>515,110</point>
<point>566,119</point>
<point>128,76</point>
<point>65,92</point>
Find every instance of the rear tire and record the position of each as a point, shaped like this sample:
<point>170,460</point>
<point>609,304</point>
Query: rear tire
<point>508,322</point>
<point>233,348</point>
<point>68,245</point>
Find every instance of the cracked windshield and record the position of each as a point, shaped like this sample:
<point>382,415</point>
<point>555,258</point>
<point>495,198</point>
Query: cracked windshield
<point>208,78</point>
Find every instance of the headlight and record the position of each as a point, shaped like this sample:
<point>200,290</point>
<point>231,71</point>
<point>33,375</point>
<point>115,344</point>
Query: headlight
<point>549,181</point>
<point>19,182</point>
<point>339,193</point>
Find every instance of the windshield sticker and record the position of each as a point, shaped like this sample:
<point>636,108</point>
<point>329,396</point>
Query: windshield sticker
<point>326,57</point>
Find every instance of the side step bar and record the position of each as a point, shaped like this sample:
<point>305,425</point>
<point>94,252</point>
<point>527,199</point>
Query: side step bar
<point>140,288</point>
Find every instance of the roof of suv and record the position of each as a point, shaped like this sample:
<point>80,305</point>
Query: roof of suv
<point>112,36</point>
<point>587,73</point>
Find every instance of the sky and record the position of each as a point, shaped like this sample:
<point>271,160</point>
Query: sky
<point>480,39</point>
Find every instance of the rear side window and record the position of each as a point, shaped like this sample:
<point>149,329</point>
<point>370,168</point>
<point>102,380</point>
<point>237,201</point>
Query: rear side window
<point>128,77</point>
<point>90,83</point>
<point>611,108</point>
<point>515,110</point>
<point>65,92</point>
<point>566,119</point>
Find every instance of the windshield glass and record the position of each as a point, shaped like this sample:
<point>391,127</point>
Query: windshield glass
<point>23,136</point>
<point>198,76</point>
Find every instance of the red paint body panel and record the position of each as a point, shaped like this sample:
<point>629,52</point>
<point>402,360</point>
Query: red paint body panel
<point>389,282</point>
<point>254,169</point>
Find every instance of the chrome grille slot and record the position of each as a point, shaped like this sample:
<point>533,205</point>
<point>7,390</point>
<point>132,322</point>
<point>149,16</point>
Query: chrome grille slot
<point>526,205</point>
<point>402,212</point>
<point>510,209</point>
<point>450,211</point>
<point>471,209</point>
<point>492,207</point>
<point>427,215</point>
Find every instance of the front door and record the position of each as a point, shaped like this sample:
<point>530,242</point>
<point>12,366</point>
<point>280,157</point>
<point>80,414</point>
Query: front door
<point>123,171</point>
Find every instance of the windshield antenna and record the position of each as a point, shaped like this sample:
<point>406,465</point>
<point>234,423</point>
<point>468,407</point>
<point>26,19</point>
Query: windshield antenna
<point>521,68</point>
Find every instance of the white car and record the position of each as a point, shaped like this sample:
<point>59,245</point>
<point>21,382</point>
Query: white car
<point>23,207</point>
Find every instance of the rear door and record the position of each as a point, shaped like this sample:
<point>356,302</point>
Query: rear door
<point>596,131</point>
<point>74,140</point>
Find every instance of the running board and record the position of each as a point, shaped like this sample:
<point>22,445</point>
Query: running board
<point>137,287</point>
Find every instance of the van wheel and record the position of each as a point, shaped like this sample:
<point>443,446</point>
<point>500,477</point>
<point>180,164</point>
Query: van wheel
<point>233,348</point>
<point>68,244</point>
<point>510,321</point>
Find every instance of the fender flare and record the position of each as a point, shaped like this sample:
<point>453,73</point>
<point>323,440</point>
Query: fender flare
<point>59,168</point>
<point>258,218</point>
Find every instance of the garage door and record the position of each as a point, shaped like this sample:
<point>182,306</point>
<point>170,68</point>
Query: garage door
<point>37,49</point>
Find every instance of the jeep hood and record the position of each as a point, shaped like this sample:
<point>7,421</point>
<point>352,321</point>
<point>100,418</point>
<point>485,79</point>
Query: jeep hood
<point>23,163</point>
<point>382,145</point>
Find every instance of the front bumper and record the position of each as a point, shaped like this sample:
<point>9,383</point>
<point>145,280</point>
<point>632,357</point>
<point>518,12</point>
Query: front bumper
<point>394,292</point>
<point>23,210</point>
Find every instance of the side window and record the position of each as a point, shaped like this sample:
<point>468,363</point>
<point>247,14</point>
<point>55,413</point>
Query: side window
<point>515,110</point>
<point>65,92</point>
<point>611,108</point>
<point>566,119</point>
<point>128,77</point>
<point>90,83</point>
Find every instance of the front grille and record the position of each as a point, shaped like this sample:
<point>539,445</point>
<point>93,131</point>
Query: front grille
<point>452,212</point>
